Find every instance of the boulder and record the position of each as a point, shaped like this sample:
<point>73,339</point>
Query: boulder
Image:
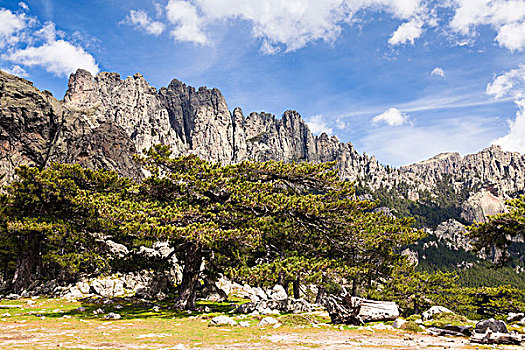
<point>222,321</point>
<point>277,293</point>
<point>492,325</point>
<point>112,316</point>
<point>398,323</point>
<point>434,310</point>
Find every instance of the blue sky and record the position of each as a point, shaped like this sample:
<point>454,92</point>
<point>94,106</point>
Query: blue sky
<point>400,79</point>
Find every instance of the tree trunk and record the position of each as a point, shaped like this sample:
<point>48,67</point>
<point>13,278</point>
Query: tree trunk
<point>190,279</point>
<point>416,307</point>
<point>29,262</point>
<point>320,294</point>
<point>280,279</point>
<point>297,288</point>
<point>354,287</point>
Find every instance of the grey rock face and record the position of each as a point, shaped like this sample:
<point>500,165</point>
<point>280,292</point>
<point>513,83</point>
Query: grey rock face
<point>502,173</point>
<point>481,205</point>
<point>198,122</point>
<point>452,234</point>
<point>36,129</point>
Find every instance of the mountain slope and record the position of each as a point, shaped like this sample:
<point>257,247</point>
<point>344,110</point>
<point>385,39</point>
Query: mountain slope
<point>104,120</point>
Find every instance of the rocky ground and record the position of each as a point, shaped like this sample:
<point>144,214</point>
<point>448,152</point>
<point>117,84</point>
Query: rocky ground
<point>125,324</point>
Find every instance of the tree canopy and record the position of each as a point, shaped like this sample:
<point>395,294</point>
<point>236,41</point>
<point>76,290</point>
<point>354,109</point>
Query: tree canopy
<point>270,222</point>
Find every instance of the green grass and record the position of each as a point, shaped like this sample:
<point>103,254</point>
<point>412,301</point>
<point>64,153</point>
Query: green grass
<point>444,319</point>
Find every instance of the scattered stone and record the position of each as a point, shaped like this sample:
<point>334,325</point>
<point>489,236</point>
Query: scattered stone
<point>434,310</point>
<point>513,317</point>
<point>222,321</point>
<point>268,321</point>
<point>10,306</point>
<point>80,309</point>
<point>12,296</point>
<point>382,326</point>
<point>112,316</point>
<point>244,324</point>
<point>398,323</point>
<point>207,310</point>
<point>98,311</point>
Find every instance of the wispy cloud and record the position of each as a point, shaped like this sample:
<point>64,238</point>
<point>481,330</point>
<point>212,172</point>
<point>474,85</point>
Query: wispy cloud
<point>409,144</point>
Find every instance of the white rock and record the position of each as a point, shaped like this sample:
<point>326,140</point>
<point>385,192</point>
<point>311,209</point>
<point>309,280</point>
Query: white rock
<point>222,321</point>
<point>112,316</point>
<point>434,310</point>
<point>268,321</point>
<point>399,322</point>
<point>382,326</point>
<point>277,293</point>
<point>244,324</point>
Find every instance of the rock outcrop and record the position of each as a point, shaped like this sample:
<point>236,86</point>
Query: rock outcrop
<point>36,129</point>
<point>481,205</point>
<point>104,120</point>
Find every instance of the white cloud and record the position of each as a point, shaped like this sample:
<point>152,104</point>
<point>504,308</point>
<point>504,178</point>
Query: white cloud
<point>188,24</point>
<point>507,17</point>
<point>515,140</point>
<point>392,117</point>
<point>23,5</point>
<point>318,125</point>
<point>57,57</point>
<point>16,70</point>
<point>140,19</point>
<point>407,32</point>
<point>11,24</point>
<point>340,124</point>
<point>512,36</point>
<point>40,47</point>
<point>408,144</point>
<point>511,83</point>
<point>284,25</point>
<point>438,72</point>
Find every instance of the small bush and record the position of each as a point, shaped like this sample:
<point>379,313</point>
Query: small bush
<point>411,326</point>
<point>413,318</point>
<point>447,318</point>
<point>302,320</point>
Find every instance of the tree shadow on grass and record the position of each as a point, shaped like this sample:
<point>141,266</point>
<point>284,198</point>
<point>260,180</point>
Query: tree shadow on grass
<point>133,308</point>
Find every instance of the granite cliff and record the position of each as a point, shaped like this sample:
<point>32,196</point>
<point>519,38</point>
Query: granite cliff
<point>103,120</point>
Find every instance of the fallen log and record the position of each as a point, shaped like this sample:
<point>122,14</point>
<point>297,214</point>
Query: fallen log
<point>496,338</point>
<point>356,311</point>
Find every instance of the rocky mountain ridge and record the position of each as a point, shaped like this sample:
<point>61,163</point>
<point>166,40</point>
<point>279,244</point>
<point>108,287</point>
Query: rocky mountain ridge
<point>104,120</point>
